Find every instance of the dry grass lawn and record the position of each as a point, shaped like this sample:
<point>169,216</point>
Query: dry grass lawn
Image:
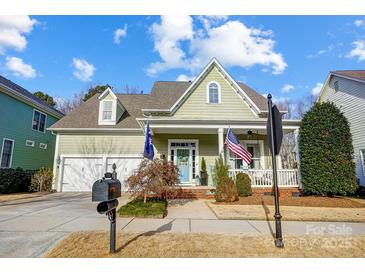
<point>305,201</point>
<point>18,196</point>
<point>179,245</point>
<point>289,213</point>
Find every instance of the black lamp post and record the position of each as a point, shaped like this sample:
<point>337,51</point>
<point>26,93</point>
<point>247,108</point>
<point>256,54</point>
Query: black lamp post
<point>275,136</point>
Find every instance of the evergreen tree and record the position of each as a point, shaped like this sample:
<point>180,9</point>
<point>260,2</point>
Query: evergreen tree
<point>326,152</point>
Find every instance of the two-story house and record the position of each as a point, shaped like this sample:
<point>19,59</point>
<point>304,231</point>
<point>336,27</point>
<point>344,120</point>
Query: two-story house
<point>24,118</point>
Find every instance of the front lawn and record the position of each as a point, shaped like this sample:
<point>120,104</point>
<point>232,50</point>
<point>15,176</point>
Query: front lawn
<point>205,245</point>
<point>153,208</point>
<point>305,201</point>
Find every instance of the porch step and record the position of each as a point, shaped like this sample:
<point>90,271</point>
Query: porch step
<point>196,193</point>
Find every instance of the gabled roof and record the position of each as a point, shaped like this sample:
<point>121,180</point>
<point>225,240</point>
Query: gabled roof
<point>240,89</point>
<point>86,115</point>
<point>355,74</point>
<point>164,97</point>
<point>28,97</point>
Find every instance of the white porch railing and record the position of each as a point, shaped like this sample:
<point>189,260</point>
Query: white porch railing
<point>263,177</point>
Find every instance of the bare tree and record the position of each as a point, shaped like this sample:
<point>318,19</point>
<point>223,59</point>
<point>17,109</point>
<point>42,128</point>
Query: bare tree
<point>68,105</point>
<point>131,89</point>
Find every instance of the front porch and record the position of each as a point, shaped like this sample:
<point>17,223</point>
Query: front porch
<point>187,142</point>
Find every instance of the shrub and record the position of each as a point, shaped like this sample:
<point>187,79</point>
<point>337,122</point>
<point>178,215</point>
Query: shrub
<point>326,152</point>
<point>204,165</point>
<point>157,177</point>
<point>15,180</point>
<point>243,184</point>
<point>42,180</point>
<point>226,190</point>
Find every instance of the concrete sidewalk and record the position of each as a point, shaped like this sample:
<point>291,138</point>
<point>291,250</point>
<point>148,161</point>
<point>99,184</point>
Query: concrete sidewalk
<point>240,226</point>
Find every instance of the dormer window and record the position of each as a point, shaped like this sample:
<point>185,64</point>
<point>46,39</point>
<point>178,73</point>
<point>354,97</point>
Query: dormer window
<point>110,109</point>
<point>107,110</point>
<point>213,93</point>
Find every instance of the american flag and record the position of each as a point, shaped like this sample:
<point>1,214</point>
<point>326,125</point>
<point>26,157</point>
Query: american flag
<point>234,146</point>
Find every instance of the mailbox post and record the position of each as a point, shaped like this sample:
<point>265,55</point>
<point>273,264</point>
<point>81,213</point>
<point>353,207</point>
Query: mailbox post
<point>106,191</point>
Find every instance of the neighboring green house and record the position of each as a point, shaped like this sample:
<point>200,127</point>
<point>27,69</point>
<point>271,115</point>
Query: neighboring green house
<point>24,118</point>
<point>188,120</point>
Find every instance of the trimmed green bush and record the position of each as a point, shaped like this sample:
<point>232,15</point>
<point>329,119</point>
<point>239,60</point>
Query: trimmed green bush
<point>204,165</point>
<point>15,180</point>
<point>226,190</point>
<point>243,184</point>
<point>326,152</point>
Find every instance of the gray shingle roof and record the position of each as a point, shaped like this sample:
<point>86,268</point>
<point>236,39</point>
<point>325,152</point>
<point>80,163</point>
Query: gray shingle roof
<point>163,95</point>
<point>30,96</point>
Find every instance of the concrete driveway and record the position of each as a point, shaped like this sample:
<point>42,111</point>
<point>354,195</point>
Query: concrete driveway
<point>29,227</point>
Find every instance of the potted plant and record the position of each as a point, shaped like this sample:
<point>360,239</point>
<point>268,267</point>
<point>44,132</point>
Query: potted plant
<point>203,173</point>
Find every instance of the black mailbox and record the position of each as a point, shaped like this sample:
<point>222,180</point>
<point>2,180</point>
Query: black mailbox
<point>107,188</point>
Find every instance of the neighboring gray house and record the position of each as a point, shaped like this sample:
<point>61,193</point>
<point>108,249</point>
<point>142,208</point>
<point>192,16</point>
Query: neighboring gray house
<point>346,89</point>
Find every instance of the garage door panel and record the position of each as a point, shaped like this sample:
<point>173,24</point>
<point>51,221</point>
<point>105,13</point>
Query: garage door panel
<point>80,173</point>
<point>125,168</point>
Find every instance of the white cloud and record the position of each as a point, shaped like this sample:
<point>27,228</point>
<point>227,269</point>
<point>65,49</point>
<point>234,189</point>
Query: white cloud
<point>119,34</point>
<point>359,23</point>
<point>317,89</point>
<point>231,42</point>
<point>358,50</point>
<point>167,35</point>
<point>212,20</point>
<point>234,44</point>
<point>13,30</point>
<point>83,70</point>
<point>287,88</point>
<point>321,52</point>
<point>19,68</point>
<point>184,77</point>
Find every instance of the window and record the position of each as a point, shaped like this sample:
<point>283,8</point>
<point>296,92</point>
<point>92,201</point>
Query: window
<point>107,110</point>
<point>336,85</point>
<point>256,150</point>
<point>6,153</point>
<point>362,158</point>
<point>39,121</point>
<point>29,143</point>
<point>213,93</point>
<point>43,146</point>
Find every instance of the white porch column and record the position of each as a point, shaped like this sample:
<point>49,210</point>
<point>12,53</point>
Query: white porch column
<point>220,143</point>
<point>296,136</point>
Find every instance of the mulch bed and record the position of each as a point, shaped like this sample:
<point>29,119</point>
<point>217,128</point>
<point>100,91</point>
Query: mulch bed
<point>306,201</point>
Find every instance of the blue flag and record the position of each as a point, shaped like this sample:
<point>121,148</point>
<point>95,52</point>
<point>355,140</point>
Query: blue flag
<point>148,147</point>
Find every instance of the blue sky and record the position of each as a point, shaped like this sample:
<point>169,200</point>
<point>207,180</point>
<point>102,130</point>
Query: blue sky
<point>285,55</point>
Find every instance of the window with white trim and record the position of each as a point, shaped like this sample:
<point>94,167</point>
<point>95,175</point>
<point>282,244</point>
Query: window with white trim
<point>255,149</point>
<point>29,143</point>
<point>39,121</point>
<point>43,146</point>
<point>362,158</point>
<point>213,93</point>
<point>6,153</point>
<point>107,110</point>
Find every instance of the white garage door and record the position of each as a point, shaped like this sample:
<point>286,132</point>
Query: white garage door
<point>79,174</point>
<point>125,168</point>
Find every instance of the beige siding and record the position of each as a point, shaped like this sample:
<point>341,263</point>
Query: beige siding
<point>232,106</point>
<point>101,144</point>
<point>350,98</point>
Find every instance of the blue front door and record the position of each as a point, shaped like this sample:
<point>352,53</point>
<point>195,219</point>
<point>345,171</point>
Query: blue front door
<point>183,163</point>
